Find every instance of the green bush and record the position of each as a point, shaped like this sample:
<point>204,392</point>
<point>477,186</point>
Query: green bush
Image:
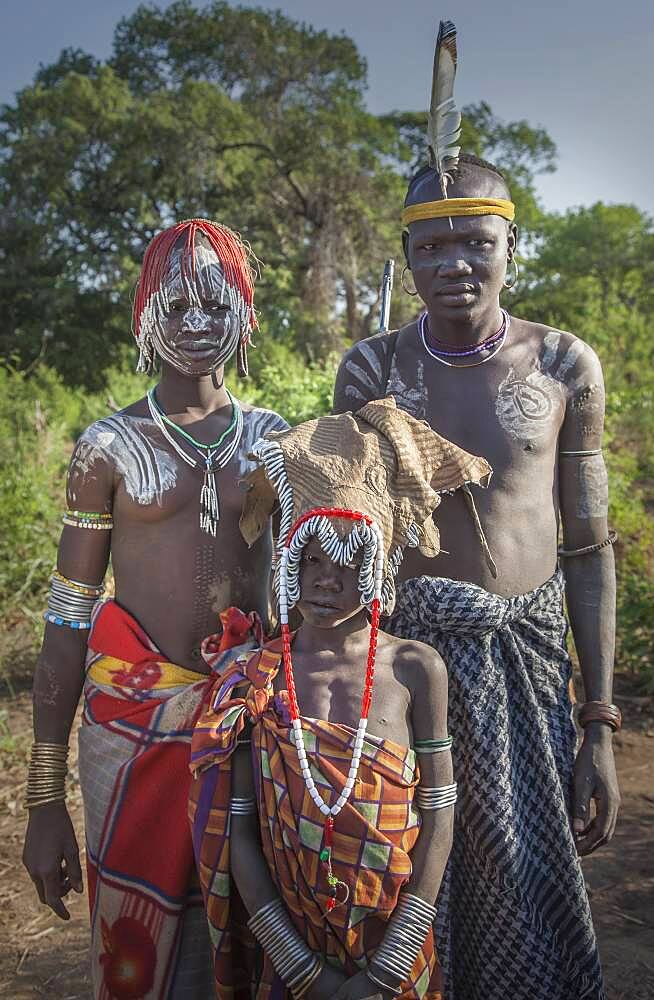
<point>40,418</point>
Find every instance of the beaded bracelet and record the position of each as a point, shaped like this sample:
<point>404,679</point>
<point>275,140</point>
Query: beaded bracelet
<point>585,550</point>
<point>88,519</point>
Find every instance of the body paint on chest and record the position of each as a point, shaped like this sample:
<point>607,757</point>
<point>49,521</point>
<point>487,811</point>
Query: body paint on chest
<point>147,470</point>
<point>412,399</point>
<point>256,423</point>
<point>525,407</point>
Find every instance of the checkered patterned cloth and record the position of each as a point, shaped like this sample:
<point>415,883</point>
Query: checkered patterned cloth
<point>513,917</point>
<point>373,834</point>
<point>148,932</point>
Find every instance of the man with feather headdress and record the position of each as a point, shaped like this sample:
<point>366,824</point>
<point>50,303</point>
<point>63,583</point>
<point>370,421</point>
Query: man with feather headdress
<point>513,910</point>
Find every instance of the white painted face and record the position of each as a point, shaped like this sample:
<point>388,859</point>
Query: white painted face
<point>196,318</point>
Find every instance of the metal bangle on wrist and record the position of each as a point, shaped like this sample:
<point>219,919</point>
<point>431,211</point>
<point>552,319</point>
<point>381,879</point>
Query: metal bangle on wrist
<point>405,935</point>
<point>290,955</point>
<point>46,776</point>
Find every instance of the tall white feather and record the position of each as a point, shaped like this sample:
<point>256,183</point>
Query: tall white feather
<point>444,121</point>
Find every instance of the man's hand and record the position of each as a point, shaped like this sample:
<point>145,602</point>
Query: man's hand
<point>327,985</point>
<point>359,987</point>
<point>51,856</point>
<point>595,778</point>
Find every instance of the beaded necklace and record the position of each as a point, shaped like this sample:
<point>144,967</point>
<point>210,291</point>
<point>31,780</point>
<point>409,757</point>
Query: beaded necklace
<point>494,343</point>
<point>329,812</point>
<point>215,456</point>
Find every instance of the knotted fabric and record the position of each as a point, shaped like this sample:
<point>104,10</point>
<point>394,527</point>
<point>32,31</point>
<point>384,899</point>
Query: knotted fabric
<point>513,915</point>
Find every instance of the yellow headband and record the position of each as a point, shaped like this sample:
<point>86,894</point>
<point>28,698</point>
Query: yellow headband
<point>448,207</point>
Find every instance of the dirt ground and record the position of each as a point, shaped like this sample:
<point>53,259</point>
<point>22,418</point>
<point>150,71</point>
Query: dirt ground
<point>43,957</point>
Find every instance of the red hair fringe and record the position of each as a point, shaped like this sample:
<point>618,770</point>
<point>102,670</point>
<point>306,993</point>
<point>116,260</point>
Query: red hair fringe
<point>229,247</point>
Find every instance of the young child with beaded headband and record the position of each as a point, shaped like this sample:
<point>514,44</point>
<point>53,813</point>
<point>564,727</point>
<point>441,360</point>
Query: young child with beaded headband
<point>308,794</point>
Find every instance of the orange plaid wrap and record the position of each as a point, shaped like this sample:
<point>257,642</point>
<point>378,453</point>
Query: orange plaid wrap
<point>373,834</point>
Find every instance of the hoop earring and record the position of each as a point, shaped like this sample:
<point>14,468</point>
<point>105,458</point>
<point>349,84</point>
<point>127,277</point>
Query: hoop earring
<point>516,274</point>
<point>407,290</point>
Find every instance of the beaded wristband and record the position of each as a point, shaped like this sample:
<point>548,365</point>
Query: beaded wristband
<point>600,711</point>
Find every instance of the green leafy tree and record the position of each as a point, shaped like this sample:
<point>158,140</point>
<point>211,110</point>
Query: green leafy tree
<point>238,114</point>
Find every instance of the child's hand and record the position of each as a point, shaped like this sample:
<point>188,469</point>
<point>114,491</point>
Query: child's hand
<point>327,985</point>
<point>359,987</point>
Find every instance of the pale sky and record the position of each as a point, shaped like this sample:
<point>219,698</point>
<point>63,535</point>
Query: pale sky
<point>582,69</point>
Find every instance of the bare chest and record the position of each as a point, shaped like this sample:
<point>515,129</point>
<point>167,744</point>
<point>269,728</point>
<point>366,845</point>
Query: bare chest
<point>334,693</point>
<point>509,411</point>
<point>155,480</point>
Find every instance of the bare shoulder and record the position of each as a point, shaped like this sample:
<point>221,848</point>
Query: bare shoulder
<point>257,422</point>
<point>102,440</point>
<point>361,373</point>
<point>560,354</point>
<point>261,420</point>
<point>417,665</point>
<point>99,455</point>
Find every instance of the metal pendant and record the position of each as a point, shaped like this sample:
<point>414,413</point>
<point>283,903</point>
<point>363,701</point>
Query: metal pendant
<point>209,505</point>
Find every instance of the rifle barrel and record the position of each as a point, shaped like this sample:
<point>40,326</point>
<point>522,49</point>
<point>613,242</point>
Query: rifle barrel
<point>386,293</point>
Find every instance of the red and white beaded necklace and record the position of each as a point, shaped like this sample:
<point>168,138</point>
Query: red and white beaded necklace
<point>329,812</point>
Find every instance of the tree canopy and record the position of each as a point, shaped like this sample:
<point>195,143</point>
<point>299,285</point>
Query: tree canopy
<point>236,114</point>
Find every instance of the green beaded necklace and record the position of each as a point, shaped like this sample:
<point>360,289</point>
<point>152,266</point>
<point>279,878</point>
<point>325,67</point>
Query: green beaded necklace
<point>214,456</point>
<point>189,437</point>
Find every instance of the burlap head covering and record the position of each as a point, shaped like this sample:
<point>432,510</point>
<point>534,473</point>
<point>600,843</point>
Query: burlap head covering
<point>380,461</point>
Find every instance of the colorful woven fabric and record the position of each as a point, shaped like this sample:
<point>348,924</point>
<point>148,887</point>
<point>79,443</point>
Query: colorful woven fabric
<point>149,936</point>
<point>513,916</point>
<point>373,834</point>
